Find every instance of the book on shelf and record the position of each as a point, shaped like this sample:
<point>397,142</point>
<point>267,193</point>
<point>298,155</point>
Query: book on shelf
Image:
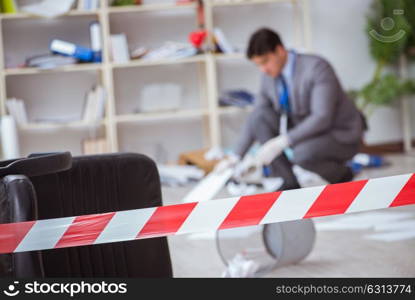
<point>49,61</point>
<point>119,48</point>
<point>17,110</point>
<point>94,108</point>
<point>88,5</point>
<point>93,111</point>
<point>222,42</point>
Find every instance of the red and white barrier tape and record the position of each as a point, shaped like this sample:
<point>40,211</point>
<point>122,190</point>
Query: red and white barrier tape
<point>208,216</point>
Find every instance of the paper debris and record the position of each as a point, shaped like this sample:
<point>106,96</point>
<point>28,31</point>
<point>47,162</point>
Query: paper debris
<point>208,187</point>
<point>388,226</point>
<point>392,236</point>
<point>240,267</point>
<point>179,175</point>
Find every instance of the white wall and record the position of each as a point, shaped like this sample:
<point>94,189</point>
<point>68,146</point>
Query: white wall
<point>338,34</point>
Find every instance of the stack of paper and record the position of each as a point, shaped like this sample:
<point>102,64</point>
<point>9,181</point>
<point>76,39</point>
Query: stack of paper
<point>170,50</point>
<point>173,175</point>
<point>223,43</point>
<point>50,61</point>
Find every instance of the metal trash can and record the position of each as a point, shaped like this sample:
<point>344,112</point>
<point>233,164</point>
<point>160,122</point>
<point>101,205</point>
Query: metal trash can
<point>268,246</point>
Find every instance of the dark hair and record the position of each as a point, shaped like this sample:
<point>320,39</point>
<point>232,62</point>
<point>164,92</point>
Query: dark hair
<point>263,41</point>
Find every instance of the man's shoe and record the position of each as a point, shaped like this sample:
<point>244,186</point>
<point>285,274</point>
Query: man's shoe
<point>348,176</point>
<point>289,186</point>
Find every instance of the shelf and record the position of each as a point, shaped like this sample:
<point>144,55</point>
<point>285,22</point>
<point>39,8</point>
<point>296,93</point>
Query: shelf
<point>141,63</point>
<point>191,113</point>
<point>219,3</point>
<point>51,125</point>
<point>131,64</point>
<point>111,10</point>
<point>148,7</point>
<point>68,68</point>
<point>98,67</point>
<point>225,110</point>
<point>137,8</point>
<point>224,56</point>
<point>23,15</point>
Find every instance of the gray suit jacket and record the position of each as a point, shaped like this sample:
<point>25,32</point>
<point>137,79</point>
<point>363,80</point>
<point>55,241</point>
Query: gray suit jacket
<point>318,104</point>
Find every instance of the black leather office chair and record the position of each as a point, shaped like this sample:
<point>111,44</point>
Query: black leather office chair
<point>54,186</point>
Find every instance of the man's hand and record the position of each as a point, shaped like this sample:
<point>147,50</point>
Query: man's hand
<point>271,149</point>
<point>246,166</point>
<point>226,163</point>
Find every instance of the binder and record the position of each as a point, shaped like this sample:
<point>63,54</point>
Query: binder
<point>119,48</point>
<point>9,6</point>
<point>96,41</point>
<point>70,49</point>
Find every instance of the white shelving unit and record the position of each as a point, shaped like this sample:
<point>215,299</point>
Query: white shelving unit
<point>200,121</point>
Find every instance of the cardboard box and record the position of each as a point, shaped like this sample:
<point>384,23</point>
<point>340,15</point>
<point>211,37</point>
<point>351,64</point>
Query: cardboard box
<point>197,158</point>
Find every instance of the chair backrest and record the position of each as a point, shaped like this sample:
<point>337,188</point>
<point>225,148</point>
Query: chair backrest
<point>99,184</point>
<point>18,204</point>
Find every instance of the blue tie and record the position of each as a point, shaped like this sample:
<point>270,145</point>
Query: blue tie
<point>285,109</point>
<point>284,96</point>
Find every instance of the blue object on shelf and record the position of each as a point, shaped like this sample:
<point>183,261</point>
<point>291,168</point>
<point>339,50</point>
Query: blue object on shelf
<point>96,41</point>
<point>97,56</point>
<point>69,49</point>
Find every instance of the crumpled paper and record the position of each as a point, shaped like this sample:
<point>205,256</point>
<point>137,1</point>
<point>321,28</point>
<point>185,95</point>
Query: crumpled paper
<point>241,267</point>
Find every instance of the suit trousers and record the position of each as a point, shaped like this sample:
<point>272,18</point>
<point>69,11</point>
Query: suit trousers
<point>321,154</point>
